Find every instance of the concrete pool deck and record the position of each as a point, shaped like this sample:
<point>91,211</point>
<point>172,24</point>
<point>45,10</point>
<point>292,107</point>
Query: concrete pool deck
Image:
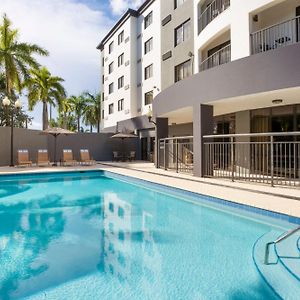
<point>278,199</point>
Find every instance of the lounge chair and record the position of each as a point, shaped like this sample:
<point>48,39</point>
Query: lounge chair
<point>117,156</point>
<point>23,158</point>
<point>68,158</point>
<point>131,156</point>
<point>85,157</point>
<point>43,158</point>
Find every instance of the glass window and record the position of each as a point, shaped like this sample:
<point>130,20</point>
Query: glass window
<point>148,20</point>
<point>120,82</point>
<point>111,47</point>
<point>111,108</point>
<point>183,32</point>
<point>121,37</point>
<point>148,45</point>
<point>121,105</point>
<point>178,3</point>
<point>121,60</point>
<point>111,88</point>
<point>183,70</point>
<point>148,72</point>
<point>110,68</point>
<point>149,98</point>
<point>102,113</point>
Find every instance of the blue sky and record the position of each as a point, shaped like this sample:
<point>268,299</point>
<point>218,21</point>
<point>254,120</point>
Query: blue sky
<point>70,30</point>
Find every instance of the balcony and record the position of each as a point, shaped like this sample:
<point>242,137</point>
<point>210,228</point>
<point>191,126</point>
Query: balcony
<point>214,9</point>
<point>220,57</point>
<point>276,36</point>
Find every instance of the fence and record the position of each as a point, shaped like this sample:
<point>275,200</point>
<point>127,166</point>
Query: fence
<point>272,158</point>
<point>176,154</point>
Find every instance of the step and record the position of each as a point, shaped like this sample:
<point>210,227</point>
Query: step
<point>289,254</point>
<point>280,280</point>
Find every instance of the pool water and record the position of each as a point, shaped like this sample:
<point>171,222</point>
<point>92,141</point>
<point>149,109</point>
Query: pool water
<point>93,236</point>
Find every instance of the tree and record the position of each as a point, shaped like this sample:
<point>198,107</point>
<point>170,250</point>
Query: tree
<point>64,109</point>
<point>79,106</point>
<point>92,114</point>
<point>45,88</point>
<point>16,58</point>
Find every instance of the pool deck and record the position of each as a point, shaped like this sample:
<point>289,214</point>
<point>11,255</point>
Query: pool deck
<point>284,200</point>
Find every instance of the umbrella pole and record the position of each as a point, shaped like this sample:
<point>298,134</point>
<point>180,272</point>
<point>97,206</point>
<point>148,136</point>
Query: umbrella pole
<point>55,162</point>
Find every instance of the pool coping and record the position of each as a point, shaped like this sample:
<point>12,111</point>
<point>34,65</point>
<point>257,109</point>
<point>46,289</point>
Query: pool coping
<point>183,192</point>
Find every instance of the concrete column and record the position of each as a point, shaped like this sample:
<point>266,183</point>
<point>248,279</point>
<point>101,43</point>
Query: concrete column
<point>161,131</point>
<point>242,151</point>
<point>203,124</point>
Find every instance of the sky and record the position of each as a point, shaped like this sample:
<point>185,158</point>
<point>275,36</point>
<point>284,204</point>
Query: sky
<point>70,30</point>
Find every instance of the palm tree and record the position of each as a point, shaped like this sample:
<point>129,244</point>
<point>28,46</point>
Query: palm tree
<point>65,107</point>
<point>45,88</point>
<point>16,58</point>
<point>92,115</point>
<point>79,106</point>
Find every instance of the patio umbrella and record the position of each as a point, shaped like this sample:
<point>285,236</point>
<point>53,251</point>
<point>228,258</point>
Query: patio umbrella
<point>123,136</point>
<point>56,131</point>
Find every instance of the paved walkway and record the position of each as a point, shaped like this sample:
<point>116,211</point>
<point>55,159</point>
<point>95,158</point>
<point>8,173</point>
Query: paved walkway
<point>278,199</point>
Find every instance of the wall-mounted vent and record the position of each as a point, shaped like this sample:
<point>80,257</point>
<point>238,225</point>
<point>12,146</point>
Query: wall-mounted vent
<point>127,63</point>
<point>126,87</point>
<point>106,98</point>
<point>139,36</point>
<point>127,111</point>
<point>106,78</point>
<point>139,84</point>
<point>167,55</point>
<point>106,58</point>
<point>139,60</point>
<point>127,40</point>
<point>166,20</point>
<point>139,110</point>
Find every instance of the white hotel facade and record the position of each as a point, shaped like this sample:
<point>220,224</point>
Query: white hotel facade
<point>219,67</point>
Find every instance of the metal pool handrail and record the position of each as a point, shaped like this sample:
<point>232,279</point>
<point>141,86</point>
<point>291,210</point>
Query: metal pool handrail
<point>280,239</point>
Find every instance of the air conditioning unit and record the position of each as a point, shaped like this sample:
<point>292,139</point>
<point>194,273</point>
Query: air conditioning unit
<point>126,87</point>
<point>126,63</point>
<point>127,111</point>
<point>127,40</point>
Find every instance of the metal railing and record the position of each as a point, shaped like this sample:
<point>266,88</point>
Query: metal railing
<point>272,158</point>
<point>176,154</point>
<point>276,36</point>
<point>279,240</point>
<point>214,9</point>
<point>221,57</point>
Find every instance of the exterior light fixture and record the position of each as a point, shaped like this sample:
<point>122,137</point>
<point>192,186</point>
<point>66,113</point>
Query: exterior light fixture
<point>150,116</point>
<point>277,101</point>
<point>18,104</point>
<point>6,102</point>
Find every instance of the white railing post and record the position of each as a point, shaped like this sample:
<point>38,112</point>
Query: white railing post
<point>232,157</point>
<point>165,161</point>
<point>272,160</point>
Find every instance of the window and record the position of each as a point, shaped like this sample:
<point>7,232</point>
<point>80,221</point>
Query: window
<point>148,98</point>
<point>120,82</point>
<point>183,32</point>
<point>111,108</point>
<point>121,37</point>
<point>102,79</point>
<point>148,72</point>
<point>111,88</point>
<point>111,47</point>
<point>103,62</point>
<point>178,3</point>
<point>183,70</point>
<point>148,20</point>
<point>121,60</point>
<point>103,114</point>
<point>110,68</point>
<point>148,45</point>
<point>121,105</point>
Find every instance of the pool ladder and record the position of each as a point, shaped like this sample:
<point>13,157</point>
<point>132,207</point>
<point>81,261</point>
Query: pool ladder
<point>280,239</point>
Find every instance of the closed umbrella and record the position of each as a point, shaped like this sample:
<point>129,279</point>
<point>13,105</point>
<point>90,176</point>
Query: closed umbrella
<point>56,131</point>
<point>123,136</point>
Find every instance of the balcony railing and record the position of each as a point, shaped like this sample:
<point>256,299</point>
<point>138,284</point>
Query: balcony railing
<point>272,158</point>
<point>211,12</point>
<point>276,36</point>
<point>221,57</point>
<point>176,154</point>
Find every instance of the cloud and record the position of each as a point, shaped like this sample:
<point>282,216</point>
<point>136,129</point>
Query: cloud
<point>120,6</point>
<point>69,30</point>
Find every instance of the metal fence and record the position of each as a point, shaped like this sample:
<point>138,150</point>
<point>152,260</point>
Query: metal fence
<point>215,8</point>
<point>276,36</point>
<point>176,154</point>
<point>272,158</point>
<point>221,57</point>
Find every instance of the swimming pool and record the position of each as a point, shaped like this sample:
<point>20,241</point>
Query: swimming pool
<point>95,235</point>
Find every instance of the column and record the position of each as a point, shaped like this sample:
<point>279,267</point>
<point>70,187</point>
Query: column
<point>161,131</point>
<point>203,124</point>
